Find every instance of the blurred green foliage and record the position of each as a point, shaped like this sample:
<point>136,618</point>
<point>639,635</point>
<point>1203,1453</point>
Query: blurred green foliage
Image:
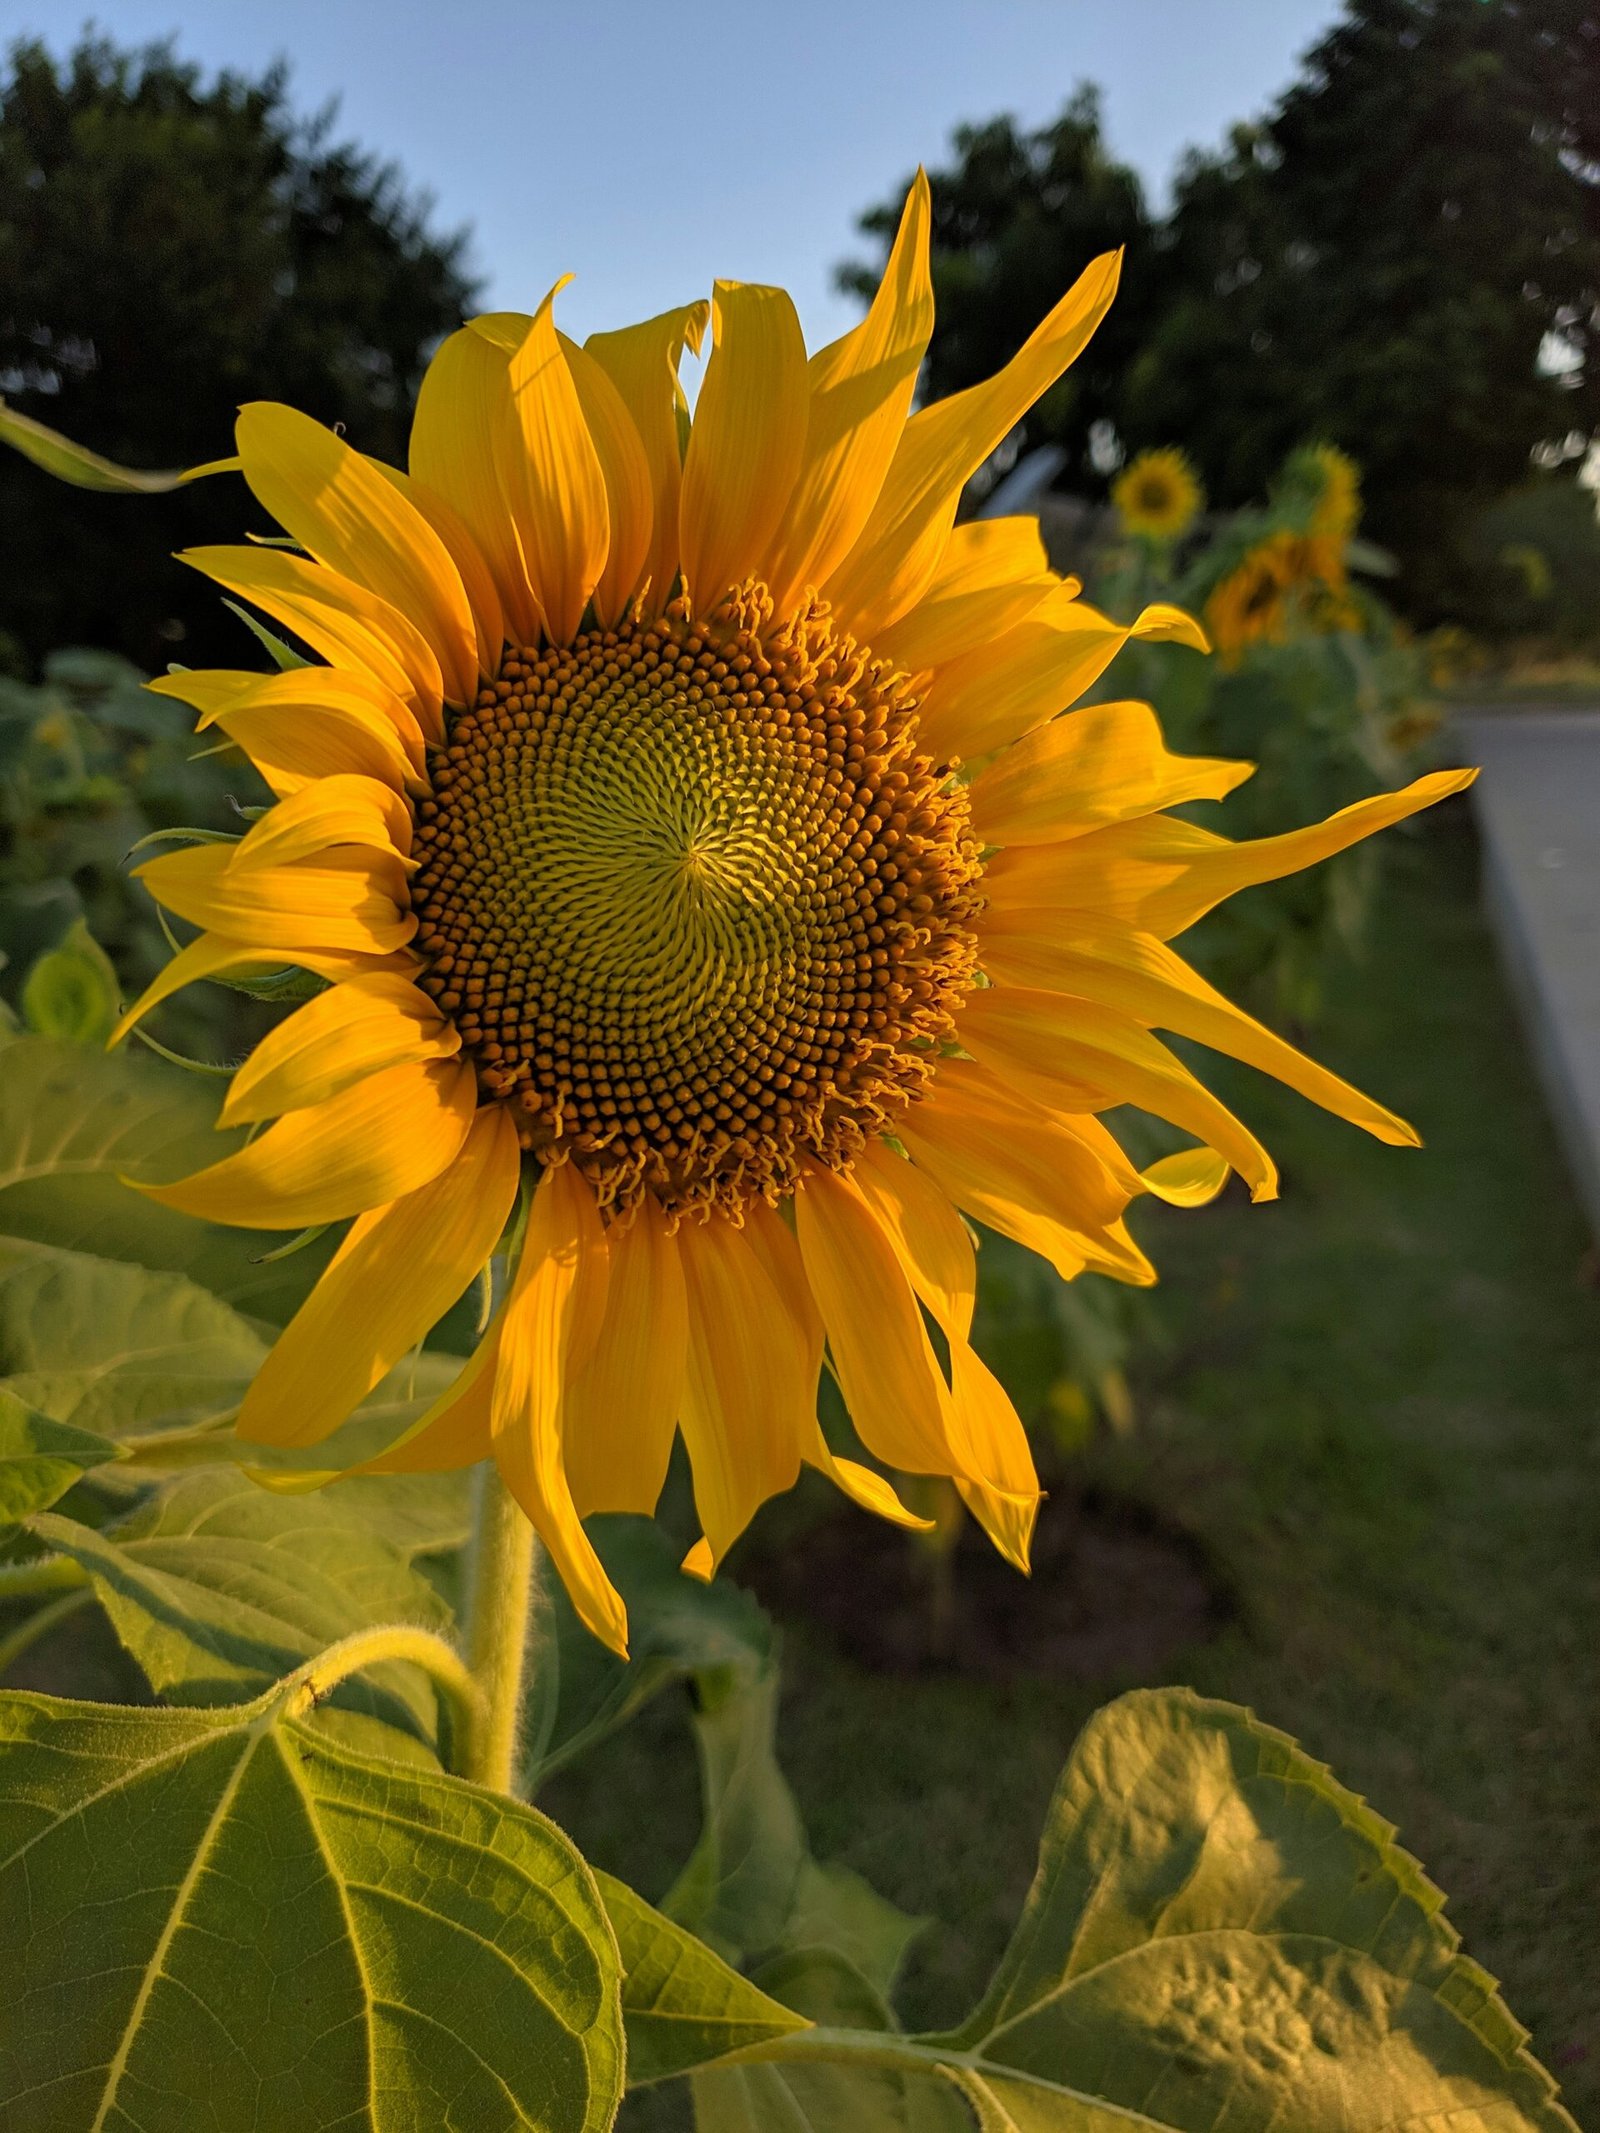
<point>91,764</point>
<point>1403,256</point>
<point>170,248</point>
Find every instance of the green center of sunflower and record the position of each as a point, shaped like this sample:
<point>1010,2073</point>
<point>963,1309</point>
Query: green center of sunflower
<point>697,903</point>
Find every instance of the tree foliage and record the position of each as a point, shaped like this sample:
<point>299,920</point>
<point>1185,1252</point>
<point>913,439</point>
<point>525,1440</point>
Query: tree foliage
<point>170,248</point>
<point>1403,258</point>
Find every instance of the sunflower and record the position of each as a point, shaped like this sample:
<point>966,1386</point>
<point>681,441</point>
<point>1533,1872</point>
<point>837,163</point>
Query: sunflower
<point>714,912</point>
<point>1159,495</point>
<point>1334,480</point>
<point>1284,579</point>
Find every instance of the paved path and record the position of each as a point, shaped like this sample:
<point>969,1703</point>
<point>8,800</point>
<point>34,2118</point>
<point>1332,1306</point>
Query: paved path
<point>1538,807</point>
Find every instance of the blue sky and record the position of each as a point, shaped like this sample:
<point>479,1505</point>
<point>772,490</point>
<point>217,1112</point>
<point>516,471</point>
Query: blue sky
<point>649,148</point>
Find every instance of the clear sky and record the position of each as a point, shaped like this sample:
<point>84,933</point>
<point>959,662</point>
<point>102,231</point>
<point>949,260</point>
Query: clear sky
<point>649,147</point>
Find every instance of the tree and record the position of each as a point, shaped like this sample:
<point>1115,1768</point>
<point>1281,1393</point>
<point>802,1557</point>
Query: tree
<point>1016,218</point>
<point>168,250</point>
<point>1404,259</point>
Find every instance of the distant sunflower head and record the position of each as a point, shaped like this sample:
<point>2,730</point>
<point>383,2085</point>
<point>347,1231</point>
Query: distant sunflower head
<point>1330,481</point>
<point>1158,495</point>
<point>1284,583</point>
<point>715,915</point>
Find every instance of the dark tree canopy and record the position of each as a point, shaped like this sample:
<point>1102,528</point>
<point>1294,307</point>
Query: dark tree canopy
<point>1016,219</point>
<point>170,248</point>
<point>1381,263</point>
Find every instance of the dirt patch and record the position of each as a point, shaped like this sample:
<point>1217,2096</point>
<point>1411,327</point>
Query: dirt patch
<point>1115,1595</point>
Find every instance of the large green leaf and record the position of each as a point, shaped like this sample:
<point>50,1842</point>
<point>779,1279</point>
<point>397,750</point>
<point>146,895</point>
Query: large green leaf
<point>221,1920</point>
<point>218,1587</point>
<point>1221,1936</point>
<point>40,1459</point>
<point>684,2006</point>
<point>161,1364</point>
<point>751,1886</point>
<point>74,1122</point>
<point>117,1348</point>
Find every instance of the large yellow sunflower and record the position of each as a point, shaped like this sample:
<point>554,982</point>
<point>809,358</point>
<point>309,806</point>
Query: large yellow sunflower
<point>628,813</point>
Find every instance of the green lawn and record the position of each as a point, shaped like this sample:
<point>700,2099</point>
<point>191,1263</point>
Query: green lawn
<point>1373,1409</point>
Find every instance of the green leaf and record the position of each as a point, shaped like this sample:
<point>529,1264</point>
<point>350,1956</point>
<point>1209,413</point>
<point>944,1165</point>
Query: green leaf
<point>41,1459</point>
<point>284,656</point>
<point>224,1920</point>
<point>218,1587</point>
<point>72,990</point>
<point>683,2005</point>
<point>116,1348</point>
<point>751,1885</point>
<point>678,1626</point>
<point>1219,1934</point>
<point>74,1122</point>
<point>867,2099</point>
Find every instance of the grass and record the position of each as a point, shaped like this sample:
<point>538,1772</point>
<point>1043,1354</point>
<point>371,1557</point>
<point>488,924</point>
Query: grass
<point>1373,1408</point>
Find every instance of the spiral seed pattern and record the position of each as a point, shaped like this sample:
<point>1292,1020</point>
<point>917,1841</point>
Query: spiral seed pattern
<point>697,903</point>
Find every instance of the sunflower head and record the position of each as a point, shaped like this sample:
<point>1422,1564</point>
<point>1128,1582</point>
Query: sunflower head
<point>1285,582</point>
<point>1325,484</point>
<point>677,963</point>
<point>1158,496</point>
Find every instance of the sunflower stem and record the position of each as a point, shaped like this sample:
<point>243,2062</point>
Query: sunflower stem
<point>500,1578</point>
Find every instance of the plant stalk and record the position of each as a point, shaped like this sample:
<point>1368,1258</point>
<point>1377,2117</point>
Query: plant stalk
<point>501,1560</point>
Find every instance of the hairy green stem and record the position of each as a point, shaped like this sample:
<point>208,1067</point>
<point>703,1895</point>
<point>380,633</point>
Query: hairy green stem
<point>501,1559</point>
<point>440,1661</point>
<point>39,1624</point>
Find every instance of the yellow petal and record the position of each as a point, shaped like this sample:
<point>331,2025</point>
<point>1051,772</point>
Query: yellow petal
<point>1103,763</point>
<point>341,510</point>
<point>556,484</point>
<point>993,575</point>
<point>1038,1037</point>
<point>209,690</point>
<point>563,1254</point>
<point>746,443</point>
<point>211,954</point>
<point>988,697</point>
<point>1191,1178</point>
<point>483,595</point>
<point>347,900</point>
<point>623,1404</point>
<point>351,628</point>
<point>454,1432</point>
<point>319,689</point>
<point>1047,1181</point>
<point>630,502</point>
<point>935,1251</point>
<point>459,438</point>
<point>351,1030</point>
<point>1159,875</point>
<point>749,1405</point>
<point>373,1142</point>
<point>1138,975</point>
<point>885,1364</point>
<point>894,561</point>
<point>298,743</point>
<point>859,392</point>
<point>928,1235</point>
<point>398,1271</point>
<point>642,363</point>
<point>343,810</point>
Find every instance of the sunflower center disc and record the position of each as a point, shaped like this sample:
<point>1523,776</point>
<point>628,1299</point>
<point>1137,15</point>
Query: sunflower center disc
<point>697,903</point>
